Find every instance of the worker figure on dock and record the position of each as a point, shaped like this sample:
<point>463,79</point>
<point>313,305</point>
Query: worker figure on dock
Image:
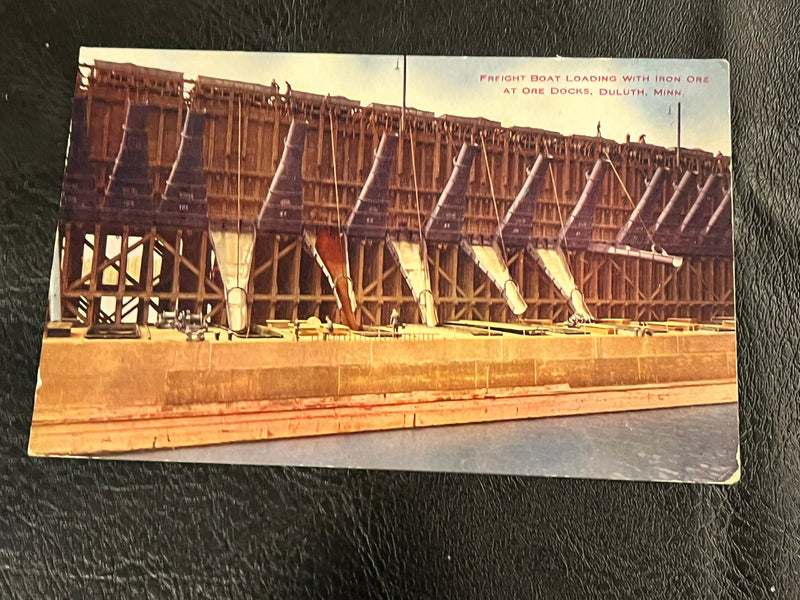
<point>328,328</point>
<point>394,320</point>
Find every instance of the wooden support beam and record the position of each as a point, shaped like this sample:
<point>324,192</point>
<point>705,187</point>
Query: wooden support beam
<point>148,260</point>
<point>123,274</point>
<point>297,249</point>
<point>628,288</point>
<point>176,269</point>
<point>107,262</point>
<point>95,275</point>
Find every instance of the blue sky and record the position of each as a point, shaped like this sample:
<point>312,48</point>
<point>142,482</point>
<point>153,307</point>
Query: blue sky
<point>452,85</point>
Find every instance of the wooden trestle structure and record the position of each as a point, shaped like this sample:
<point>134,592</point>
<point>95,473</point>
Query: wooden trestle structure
<point>144,267</point>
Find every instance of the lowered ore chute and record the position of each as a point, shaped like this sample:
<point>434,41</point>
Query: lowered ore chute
<point>409,256</point>
<point>233,247</point>
<point>576,233</point>
<point>446,222</point>
<point>635,239</point>
<point>328,245</point>
<point>78,194</point>
<point>512,232</point>
<point>442,227</point>
<point>489,259</point>
<point>129,193</point>
<point>282,211</point>
<point>369,219</point>
<point>184,203</point>
<point>234,253</point>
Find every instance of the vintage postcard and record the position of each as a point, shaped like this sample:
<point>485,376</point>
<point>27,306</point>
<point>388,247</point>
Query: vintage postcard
<point>492,265</point>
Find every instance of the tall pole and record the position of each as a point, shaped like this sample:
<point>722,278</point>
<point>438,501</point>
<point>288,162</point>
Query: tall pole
<point>679,136</point>
<point>403,113</point>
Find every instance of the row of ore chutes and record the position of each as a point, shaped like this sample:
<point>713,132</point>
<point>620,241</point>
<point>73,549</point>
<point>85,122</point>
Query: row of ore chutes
<point>664,236</point>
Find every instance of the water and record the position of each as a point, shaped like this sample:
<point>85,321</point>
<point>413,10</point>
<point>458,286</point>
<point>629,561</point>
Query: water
<point>693,444</point>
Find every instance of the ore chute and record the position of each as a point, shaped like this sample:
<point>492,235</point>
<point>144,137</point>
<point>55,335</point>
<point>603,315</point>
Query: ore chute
<point>233,243</point>
<point>489,258</point>
<point>577,231</point>
<point>512,232</point>
<point>414,268</point>
<point>717,236</point>
<point>325,244</point>
<point>369,219</point>
<point>635,239</point>
<point>129,193</point>
<point>442,227</point>
<point>370,216</point>
<point>234,253</point>
<point>184,203</point>
<point>328,245</point>
<point>636,231</point>
<point>698,216</point>
<point>282,211</point>
<point>669,220</point>
<point>554,263</point>
<point>515,228</point>
<point>446,220</point>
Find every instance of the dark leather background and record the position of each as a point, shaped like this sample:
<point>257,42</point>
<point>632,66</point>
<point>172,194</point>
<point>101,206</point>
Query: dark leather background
<point>71,528</point>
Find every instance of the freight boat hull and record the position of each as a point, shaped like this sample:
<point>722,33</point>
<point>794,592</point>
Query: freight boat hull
<point>105,396</point>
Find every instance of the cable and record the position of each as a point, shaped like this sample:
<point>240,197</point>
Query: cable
<point>416,187</point>
<point>239,195</point>
<point>423,245</point>
<point>335,178</point>
<point>633,204</point>
<point>560,216</point>
<point>494,199</point>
